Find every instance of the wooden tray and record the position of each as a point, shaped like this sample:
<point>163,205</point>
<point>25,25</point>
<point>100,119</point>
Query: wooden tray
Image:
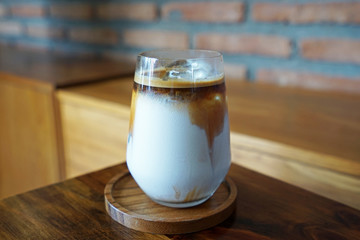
<point>127,204</point>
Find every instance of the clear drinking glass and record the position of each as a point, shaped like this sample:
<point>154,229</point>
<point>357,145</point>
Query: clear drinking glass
<point>178,147</point>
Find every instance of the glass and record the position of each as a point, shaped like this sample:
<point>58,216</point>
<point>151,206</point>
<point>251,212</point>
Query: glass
<point>178,147</point>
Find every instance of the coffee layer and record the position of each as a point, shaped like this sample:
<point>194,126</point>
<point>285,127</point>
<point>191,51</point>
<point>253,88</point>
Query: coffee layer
<point>206,105</point>
<point>158,78</point>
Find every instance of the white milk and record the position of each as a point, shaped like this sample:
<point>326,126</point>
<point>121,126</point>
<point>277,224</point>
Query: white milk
<point>169,157</point>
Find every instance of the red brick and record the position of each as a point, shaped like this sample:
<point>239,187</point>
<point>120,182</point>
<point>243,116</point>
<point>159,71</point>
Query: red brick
<point>5,43</point>
<point>77,53</point>
<point>44,32</point>
<point>27,10</point>
<point>270,45</point>
<point>235,71</point>
<point>3,11</point>
<point>127,57</point>
<point>308,80</point>
<point>93,35</point>
<point>206,11</point>
<point>156,39</point>
<point>136,11</point>
<point>71,11</point>
<point>337,50</point>
<point>11,28</point>
<point>337,12</point>
<point>32,47</point>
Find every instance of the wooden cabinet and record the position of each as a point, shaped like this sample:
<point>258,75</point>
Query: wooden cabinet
<point>30,148</point>
<point>31,145</point>
<point>95,122</point>
<point>95,126</point>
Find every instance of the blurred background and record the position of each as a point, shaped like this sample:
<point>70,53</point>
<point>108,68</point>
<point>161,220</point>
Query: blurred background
<point>292,70</point>
<point>303,43</point>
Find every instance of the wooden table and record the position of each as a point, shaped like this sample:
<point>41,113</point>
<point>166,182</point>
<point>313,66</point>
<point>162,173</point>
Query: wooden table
<point>266,209</point>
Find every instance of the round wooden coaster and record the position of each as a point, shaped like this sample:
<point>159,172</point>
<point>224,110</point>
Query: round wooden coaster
<point>127,204</point>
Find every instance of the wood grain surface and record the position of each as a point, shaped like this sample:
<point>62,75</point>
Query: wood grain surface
<point>29,156</point>
<point>330,176</point>
<point>128,205</point>
<point>265,209</point>
<point>95,125</point>
<point>31,144</point>
<point>58,70</point>
<point>325,122</point>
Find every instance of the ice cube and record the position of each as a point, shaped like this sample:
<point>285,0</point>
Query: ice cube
<point>187,70</point>
<point>200,70</point>
<point>177,70</point>
<point>182,63</point>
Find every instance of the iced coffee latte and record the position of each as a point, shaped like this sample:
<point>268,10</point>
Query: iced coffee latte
<point>178,148</point>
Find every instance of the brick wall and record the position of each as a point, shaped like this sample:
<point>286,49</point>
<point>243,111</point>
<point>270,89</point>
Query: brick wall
<point>302,43</point>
